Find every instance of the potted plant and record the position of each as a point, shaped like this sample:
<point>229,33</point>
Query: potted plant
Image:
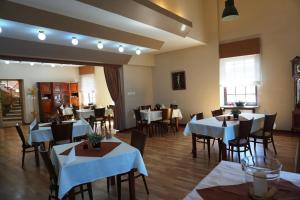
<point>95,140</point>
<point>235,112</point>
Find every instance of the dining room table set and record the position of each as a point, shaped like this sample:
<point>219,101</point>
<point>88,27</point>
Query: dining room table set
<point>86,113</point>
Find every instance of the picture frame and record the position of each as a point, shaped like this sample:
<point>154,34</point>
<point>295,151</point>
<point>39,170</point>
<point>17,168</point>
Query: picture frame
<point>178,80</point>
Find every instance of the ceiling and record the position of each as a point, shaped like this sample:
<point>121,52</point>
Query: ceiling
<point>150,39</point>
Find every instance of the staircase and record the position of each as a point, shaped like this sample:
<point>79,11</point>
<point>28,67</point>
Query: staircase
<point>14,115</point>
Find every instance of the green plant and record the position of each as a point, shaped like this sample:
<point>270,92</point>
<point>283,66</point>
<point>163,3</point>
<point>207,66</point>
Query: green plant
<point>235,111</point>
<point>94,138</point>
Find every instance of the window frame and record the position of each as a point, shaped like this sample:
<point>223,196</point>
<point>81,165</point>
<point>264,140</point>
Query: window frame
<point>248,104</point>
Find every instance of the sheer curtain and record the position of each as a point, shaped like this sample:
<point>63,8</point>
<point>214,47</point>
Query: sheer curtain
<point>87,87</point>
<point>240,71</point>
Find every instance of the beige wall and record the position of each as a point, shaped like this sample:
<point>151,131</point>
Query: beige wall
<point>37,73</point>
<point>138,90</point>
<point>276,22</point>
<point>103,97</point>
<point>201,66</point>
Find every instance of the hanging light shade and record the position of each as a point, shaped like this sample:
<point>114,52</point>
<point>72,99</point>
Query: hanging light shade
<point>229,12</point>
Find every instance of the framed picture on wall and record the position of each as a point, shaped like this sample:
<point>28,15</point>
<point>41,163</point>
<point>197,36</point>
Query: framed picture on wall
<point>178,80</point>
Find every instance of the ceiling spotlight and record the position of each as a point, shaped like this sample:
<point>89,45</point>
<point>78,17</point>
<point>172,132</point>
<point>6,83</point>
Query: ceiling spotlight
<point>31,63</point>
<point>138,51</point>
<point>183,27</point>
<point>121,49</point>
<point>74,41</point>
<point>100,45</point>
<point>41,35</point>
<point>229,12</point>
<point>7,62</point>
<point>52,65</point>
<point>0,29</point>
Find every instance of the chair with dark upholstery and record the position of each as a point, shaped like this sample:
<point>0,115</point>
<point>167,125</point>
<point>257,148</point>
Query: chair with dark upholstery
<point>139,123</point>
<point>61,132</point>
<point>265,134</point>
<point>53,187</point>
<point>100,115</point>
<point>173,106</point>
<point>242,139</point>
<point>216,113</point>
<point>27,148</point>
<point>138,140</point>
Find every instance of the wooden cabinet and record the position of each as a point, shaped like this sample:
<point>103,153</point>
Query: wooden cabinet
<point>54,94</point>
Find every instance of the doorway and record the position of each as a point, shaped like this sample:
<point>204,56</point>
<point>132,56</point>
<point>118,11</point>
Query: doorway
<point>11,106</point>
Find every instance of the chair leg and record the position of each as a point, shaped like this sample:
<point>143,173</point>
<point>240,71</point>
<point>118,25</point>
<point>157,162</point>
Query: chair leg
<point>273,144</point>
<point>107,184</point>
<point>90,190</point>
<point>36,153</point>
<point>119,186</point>
<point>249,148</point>
<point>264,146</point>
<point>213,142</point>
<point>254,144</point>
<point>145,183</point>
<point>239,156</point>
<point>208,148</point>
<point>81,191</point>
<point>231,151</point>
<point>23,157</point>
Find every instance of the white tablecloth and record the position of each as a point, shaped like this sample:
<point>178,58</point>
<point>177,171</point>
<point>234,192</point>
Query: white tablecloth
<point>213,127</point>
<point>154,115</point>
<point>86,113</point>
<point>88,169</point>
<point>67,111</point>
<point>230,173</point>
<point>43,134</point>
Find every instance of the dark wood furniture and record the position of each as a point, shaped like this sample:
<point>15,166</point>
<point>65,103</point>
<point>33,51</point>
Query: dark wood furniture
<point>167,120</point>
<point>52,95</point>
<point>53,187</point>
<point>242,139</point>
<point>265,134</point>
<point>173,106</point>
<point>61,132</point>
<point>138,140</point>
<point>296,112</point>
<point>216,113</point>
<point>252,108</point>
<point>146,107</point>
<point>205,140</point>
<point>27,148</point>
<point>100,115</point>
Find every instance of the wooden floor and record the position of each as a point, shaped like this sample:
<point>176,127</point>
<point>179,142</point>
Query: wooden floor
<point>172,171</point>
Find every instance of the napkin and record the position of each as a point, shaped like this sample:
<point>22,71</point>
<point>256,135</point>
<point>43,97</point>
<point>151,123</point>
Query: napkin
<point>71,157</point>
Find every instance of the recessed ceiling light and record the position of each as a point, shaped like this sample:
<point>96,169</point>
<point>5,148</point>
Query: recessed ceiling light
<point>41,35</point>
<point>52,65</point>
<point>7,62</point>
<point>121,49</point>
<point>183,27</point>
<point>74,41</point>
<point>0,29</point>
<point>100,45</point>
<point>31,63</point>
<point>138,51</point>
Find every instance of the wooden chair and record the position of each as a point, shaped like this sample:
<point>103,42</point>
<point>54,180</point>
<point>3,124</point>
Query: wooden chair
<point>216,113</point>
<point>242,139</point>
<point>173,106</point>
<point>27,148</point>
<point>138,140</point>
<point>139,123</point>
<point>204,139</point>
<point>61,132</point>
<point>147,107</point>
<point>167,120</point>
<point>157,107</point>
<point>92,121</point>
<point>53,187</point>
<point>100,115</point>
<point>265,134</point>
<point>74,109</point>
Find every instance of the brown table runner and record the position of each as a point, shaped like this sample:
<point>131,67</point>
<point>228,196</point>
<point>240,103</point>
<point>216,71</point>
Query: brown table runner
<point>285,191</point>
<point>106,147</point>
<point>230,118</point>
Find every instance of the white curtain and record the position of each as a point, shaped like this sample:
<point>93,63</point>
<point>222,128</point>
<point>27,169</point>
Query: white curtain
<point>240,71</point>
<point>87,87</point>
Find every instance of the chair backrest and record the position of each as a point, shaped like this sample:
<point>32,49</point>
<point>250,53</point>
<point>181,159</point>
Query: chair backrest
<point>216,113</point>
<point>199,116</point>
<point>269,122</point>
<point>167,113</point>
<point>48,164</point>
<point>138,140</point>
<point>110,106</point>
<point>92,121</point>
<point>62,132</point>
<point>173,106</point>
<point>245,129</point>
<point>137,115</point>
<point>59,111</point>
<point>20,133</point>
<point>146,107</point>
<point>99,112</point>
<point>157,107</point>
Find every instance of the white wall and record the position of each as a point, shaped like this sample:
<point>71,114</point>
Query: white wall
<point>138,90</point>
<point>37,73</point>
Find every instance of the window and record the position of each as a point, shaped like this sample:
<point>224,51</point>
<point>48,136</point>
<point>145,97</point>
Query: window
<point>87,87</point>
<point>239,78</point>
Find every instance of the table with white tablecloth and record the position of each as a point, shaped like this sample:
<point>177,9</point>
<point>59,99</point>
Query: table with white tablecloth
<point>67,111</point>
<point>213,127</point>
<point>120,160</point>
<point>230,173</point>
<point>86,113</point>
<point>44,133</point>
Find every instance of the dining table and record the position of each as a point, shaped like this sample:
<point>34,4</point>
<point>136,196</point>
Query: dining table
<point>86,113</point>
<point>213,127</point>
<point>88,165</point>
<point>229,173</point>
<point>41,132</point>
